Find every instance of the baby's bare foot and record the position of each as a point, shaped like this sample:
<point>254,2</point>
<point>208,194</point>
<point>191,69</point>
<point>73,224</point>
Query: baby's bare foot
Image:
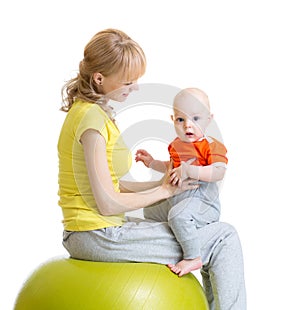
<point>185,266</point>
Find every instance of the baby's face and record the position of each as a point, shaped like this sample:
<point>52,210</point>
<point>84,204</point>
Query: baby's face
<point>191,117</point>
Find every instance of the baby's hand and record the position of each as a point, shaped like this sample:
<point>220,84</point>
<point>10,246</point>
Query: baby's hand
<point>144,157</point>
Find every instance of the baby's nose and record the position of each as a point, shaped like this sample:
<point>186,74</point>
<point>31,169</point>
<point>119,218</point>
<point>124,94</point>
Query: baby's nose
<point>187,123</point>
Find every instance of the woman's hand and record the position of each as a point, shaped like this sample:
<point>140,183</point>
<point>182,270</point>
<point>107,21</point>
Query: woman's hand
<point>175,184</point>
<point>175,189</point>
<point>180,174</point>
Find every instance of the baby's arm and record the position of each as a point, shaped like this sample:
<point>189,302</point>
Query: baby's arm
<point>150,162</point>
<point>211,173</point>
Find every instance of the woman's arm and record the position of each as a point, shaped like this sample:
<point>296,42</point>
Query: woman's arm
<point>133,187</point>
<point>109,201</point>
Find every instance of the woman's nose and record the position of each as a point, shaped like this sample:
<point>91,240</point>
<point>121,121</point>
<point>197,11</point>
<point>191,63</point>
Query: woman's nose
<point>133,87</point>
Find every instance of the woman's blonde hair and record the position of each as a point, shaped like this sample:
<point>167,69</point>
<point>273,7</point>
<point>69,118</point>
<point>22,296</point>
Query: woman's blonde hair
<point>110,51</point>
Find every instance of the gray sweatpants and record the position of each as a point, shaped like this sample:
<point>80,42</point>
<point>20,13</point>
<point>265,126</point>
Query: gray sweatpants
<point>144,240</point>
<point>186,213</point>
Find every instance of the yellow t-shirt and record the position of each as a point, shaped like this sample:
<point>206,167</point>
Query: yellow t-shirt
<point>76,199</point>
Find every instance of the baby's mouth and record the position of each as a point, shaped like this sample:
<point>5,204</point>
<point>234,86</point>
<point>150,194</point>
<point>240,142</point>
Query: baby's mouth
<point>189,134</point>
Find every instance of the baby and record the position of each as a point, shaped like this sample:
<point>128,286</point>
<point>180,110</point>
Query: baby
<point>197,157</point>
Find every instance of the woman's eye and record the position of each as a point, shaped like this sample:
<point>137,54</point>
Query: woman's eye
<point>128,83</point>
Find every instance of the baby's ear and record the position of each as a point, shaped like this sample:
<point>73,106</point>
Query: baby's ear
<point>172,117</point>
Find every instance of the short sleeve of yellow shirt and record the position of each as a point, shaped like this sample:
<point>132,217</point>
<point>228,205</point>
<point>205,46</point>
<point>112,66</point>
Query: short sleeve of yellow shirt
<point>75,195</point>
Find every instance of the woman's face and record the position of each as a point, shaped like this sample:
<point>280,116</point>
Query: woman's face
<point>114,88</point>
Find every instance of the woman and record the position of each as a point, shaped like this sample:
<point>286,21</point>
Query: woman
<point>93,158</point>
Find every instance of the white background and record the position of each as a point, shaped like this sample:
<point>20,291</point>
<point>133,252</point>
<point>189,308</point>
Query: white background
<point>244,54</point>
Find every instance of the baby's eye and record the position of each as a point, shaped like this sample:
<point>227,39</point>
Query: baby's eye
<point>179,119</point>
<point>196,118</point>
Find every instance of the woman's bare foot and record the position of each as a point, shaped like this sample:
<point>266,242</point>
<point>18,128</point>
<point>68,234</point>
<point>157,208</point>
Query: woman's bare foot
<point>185,266</point>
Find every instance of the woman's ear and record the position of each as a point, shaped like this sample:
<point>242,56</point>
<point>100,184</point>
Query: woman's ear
<point>98,78</point>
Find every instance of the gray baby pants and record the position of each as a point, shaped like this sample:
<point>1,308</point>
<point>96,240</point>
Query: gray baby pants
<point>186,213</point>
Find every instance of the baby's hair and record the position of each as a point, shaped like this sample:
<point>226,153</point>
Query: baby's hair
<point>110,51</point>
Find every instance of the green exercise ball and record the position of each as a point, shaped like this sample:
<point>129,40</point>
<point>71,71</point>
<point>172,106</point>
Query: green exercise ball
<point>70,284</point>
